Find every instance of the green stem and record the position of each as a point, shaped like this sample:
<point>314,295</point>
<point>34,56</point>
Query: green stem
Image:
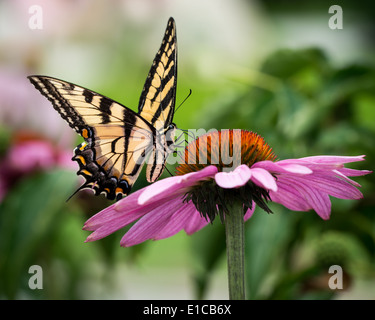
<point>234,231</point>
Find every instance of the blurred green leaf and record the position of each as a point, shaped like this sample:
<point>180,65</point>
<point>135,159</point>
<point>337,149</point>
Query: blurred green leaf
<point>266,236</point>
<point>286,62</point>
<point>364,111</point>
<point>5,139</point>
<point>27,219</point>
<point>301,285</point>
<point>208,247</point>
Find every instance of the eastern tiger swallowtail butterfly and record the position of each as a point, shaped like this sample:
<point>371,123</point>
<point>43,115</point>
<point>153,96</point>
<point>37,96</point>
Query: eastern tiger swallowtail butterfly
<point>117,140</point>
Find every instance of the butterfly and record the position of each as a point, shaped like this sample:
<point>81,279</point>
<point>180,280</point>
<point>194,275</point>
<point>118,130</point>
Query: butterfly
<point>117,140</point>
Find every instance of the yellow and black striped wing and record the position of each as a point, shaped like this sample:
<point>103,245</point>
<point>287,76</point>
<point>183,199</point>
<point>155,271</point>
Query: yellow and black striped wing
<point>157,101</point>
<point>117,139</point>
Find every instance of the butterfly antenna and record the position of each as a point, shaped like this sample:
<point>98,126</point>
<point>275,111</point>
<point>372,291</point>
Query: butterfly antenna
<point>181,143</point>
<point>189,134</point>
<point>179,137</point>
<point>190,92</point>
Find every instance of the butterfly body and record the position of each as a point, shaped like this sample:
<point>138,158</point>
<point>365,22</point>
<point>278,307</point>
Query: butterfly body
<point>117,140</point>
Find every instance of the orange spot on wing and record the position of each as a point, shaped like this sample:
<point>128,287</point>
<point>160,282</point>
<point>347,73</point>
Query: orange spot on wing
<point>85,133</point>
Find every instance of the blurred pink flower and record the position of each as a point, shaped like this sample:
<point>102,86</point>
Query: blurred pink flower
<point>28,154</point>
<point>191,200</point>
<point>36,155</point>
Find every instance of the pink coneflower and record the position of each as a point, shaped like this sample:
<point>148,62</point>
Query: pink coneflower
<point>200,191</point>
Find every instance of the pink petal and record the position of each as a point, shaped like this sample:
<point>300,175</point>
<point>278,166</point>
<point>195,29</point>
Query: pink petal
<point>353,172</point>
<point>263,179</point>
<point>195,223</point>
<point>306,183</point>
<point>333,186</point>
<point>249,213</point>
<point>283,166</point>
<point>173,185</point>
<point>310,163</point>
<point>296,194</point>
<point>168,193</point>
<point>176,222</point>
<point>113,225</point>
<point>126,209</point>
<point>233,179</point>
<point>288,201</point>
<point>288,195</point>
<point>118,216</point>
<point>150,224</point>
<point>316,163</point>
<point>333,159</point>
<point>319,201</point>
<point>340,174</point>
<point>295,168</point>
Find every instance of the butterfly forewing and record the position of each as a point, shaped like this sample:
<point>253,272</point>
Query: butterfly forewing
<point>157,101</point>
<point>77,105</point>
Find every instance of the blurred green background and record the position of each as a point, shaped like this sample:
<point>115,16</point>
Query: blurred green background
<point>274,67</point>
